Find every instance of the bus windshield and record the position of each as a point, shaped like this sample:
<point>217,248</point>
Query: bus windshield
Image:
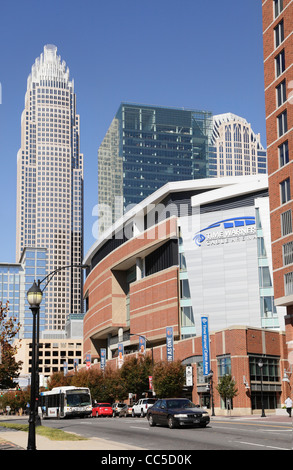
<point>78,398</point>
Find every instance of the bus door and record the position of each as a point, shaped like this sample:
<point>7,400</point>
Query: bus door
<point>61,404</point>
<point>45,405</point>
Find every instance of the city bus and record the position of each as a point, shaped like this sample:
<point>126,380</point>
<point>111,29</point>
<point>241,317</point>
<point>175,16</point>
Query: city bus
<point>63,402</point>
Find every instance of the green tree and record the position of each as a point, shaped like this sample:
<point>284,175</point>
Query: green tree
<point>105,386</point>
<point>15,399</point>
<point>227,388</point>
<point>168,379</point>
<point>9,368</point>
<point>135,374</point>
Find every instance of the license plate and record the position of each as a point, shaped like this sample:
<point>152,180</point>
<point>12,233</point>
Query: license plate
<point>196,420</point>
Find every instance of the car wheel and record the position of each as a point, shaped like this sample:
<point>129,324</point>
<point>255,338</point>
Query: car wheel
<point>151,421</point>
<point>171,422</point>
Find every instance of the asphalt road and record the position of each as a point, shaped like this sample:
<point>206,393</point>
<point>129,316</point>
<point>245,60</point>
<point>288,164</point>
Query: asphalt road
<point>220,434</point>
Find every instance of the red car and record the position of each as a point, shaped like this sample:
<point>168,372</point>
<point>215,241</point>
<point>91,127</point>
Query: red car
<point>102,409</point>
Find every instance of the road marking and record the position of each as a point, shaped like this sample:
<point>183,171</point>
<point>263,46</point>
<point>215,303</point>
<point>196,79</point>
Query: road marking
<point>138,427</point>
<point>262,445</point>
<point>256,424</point>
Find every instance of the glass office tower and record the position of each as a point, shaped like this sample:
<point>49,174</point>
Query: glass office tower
<point>50,182</point>
<point>146,147</point>
<point>15,280</point>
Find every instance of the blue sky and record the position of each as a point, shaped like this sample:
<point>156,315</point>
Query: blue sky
<point>196,54</point>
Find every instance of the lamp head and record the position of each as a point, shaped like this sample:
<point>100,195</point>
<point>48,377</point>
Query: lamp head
<point>34,295</point>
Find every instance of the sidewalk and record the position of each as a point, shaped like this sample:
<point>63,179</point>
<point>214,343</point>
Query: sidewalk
<point>284,419</point>
<point>11,439</point>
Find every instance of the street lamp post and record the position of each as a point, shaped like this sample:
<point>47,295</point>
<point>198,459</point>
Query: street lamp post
<point>34,297</point>
<point>260,365</point>
<point>210,376</point>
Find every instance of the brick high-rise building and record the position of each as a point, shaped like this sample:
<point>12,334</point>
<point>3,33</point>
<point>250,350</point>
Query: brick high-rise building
<point>278,78</point>
<point>50,183</point>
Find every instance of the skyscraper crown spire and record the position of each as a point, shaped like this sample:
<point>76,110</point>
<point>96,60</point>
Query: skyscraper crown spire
<point>50,66</point>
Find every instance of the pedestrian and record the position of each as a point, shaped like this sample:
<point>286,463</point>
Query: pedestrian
<point>288,403</point>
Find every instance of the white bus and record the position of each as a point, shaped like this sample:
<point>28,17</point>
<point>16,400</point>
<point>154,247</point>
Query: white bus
<point>63,402</point>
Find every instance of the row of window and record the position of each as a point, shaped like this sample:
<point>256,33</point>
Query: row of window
<point>283,149</point>
<point>270,369</point>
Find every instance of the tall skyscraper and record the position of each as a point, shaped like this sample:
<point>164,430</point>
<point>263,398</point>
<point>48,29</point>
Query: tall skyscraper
<point>235,149</point>
<point>278,77</point>
<point>146,147</point>
<point>50,182</point>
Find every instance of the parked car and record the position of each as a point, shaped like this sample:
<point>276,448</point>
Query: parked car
<point>176,412</point>
<point>117,407</point>
<point>125,411</point>
<point>102,409</point>
<point>140,408</point>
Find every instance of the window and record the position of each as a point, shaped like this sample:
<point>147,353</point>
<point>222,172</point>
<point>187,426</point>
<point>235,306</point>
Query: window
<point>288,280</point>
<point>283,153</point>
<point>286,223</point>
<point>224,365</point>
<point>261,249</point>
<point>282,123</point>
<point>279,33</point>
<point>288,253</point>
<point>265,277</point>
<point>285,191</point>
<point>270,369</point>
<point>267,307</point>
<point>280,63</point>
<point>187,318</point>
<point>278,7</point>
<point>185,292</point>
<point>281,93</point>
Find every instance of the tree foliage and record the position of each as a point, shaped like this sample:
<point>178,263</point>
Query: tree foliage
<point>15,399</point>
<point>227,387</point>
<point>133,377</point>
<point>168,379</point>
<point>135,373</point>
<point>9,368</point>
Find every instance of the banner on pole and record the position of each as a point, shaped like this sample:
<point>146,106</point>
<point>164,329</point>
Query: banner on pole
<point>88,360</point>
<point>205,345</point>
<point>142,344</point>
<point>103,358</point>
<point>120,355</point>
<point>169,343</point>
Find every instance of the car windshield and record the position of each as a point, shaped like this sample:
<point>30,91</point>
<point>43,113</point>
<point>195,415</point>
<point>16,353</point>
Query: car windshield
<point>180,404</point>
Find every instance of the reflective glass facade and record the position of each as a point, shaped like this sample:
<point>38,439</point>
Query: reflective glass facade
<point>146,147</point>
<point>15,280</point>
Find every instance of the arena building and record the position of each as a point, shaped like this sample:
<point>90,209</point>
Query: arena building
<point>192,249</point>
